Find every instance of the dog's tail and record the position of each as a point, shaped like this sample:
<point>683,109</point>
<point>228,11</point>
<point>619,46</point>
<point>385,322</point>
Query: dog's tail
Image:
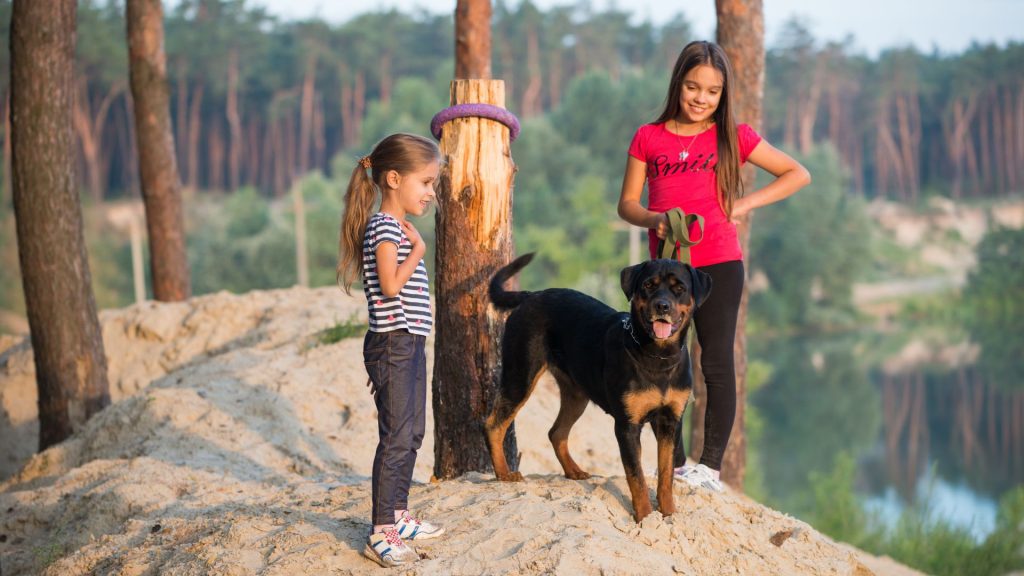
<point>501,298</point>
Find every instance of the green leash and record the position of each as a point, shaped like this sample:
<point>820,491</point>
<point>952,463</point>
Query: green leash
<point>676,244</point>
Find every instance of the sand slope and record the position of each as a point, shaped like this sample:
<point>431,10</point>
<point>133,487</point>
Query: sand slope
<point>238,446</point>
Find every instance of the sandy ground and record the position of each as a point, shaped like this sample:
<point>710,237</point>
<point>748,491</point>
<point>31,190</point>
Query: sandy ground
<point>236,445</point>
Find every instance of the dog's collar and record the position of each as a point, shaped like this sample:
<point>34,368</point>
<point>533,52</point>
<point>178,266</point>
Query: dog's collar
<point>627,325</point>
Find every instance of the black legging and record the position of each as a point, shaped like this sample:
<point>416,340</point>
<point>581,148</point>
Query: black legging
<point>716,331</point>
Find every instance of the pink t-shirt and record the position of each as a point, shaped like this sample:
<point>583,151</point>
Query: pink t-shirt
<point>691,184</point>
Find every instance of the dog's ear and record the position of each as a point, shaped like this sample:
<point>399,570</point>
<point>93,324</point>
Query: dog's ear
<point>701,285</point>
<point>629,278</point>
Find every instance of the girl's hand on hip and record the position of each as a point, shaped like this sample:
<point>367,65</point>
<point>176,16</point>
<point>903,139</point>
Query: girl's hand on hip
<point>739,210</point>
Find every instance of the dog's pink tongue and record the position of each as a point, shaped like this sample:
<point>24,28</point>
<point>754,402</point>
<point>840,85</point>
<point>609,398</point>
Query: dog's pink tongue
<point>662,329</point>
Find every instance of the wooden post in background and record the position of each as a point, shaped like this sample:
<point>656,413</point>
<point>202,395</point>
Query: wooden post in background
<point>474,239</point>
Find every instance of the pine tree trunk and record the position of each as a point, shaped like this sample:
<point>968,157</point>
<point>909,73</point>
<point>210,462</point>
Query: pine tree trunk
<point>531,95</point>
<point>181,114</point>
<point>235,153</point>
<point>126,130</point>
<point>71,369</point>
<point>346,102</point>
<point>741,35</point>
<point>158,167</point>
<point>474,239</point>
<point>306,113</point>
<point>90,133</point>
<point>215,155</point>
<point>358,105</point>
<point>809,110</point>
<point>195,109</point>
<point>473,39</point>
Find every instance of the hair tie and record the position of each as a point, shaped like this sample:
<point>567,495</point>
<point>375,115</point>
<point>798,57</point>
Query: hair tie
<point>365,162</point>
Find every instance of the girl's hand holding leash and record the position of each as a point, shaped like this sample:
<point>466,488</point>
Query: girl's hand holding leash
<point>662,227</point>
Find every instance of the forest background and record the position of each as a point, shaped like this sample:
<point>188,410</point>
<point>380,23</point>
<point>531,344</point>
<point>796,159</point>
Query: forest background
<point>264,108</point>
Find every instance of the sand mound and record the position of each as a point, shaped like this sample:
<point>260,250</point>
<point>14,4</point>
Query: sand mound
<point>238,446</point>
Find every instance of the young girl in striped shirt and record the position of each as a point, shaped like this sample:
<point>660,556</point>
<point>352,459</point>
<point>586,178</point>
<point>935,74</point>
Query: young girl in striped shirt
<point>387,251</point>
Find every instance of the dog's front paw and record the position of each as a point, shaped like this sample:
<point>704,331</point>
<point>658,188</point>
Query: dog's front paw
<point>577,475</point>
<point>641,510</point>
<point>510,477</point>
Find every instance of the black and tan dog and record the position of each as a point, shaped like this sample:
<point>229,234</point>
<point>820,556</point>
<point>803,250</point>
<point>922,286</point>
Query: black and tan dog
<point>635,366</point>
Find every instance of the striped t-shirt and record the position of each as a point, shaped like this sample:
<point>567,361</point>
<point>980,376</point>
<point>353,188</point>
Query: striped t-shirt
<point>410,310</point>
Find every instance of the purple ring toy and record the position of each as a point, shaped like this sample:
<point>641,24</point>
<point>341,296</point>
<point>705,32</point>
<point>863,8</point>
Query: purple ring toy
<point>496,113</point>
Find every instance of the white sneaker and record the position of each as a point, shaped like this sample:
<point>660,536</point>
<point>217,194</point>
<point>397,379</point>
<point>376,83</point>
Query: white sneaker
<point>699,476</point>
<point>412,528</point>
<point>387,549</point>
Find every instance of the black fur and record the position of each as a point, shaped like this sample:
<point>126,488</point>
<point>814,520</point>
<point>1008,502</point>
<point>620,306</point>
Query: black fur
<point>598,354</point>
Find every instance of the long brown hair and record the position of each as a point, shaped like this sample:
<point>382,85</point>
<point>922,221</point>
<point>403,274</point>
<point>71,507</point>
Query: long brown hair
<point>403,153</point>
<point>727,169</point>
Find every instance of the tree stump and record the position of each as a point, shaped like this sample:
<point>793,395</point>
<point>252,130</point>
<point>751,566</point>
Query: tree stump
<point>474,239</point>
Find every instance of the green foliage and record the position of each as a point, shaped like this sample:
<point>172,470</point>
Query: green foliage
<point>920,538</point>
<point>603,115</point>
<point>994,298</point>
<point>811,247</point>
<point>240,246</point>
<point>412,105</point>
<point>837,511</point>
<point>584,252</point>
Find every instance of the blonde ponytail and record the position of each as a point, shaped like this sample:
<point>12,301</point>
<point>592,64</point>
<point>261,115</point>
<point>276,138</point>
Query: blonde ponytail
<point>360,199</point>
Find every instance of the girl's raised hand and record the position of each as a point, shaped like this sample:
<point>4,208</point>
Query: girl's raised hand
<point>411,233</point>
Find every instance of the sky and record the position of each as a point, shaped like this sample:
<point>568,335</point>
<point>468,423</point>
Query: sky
<point>948,25</point>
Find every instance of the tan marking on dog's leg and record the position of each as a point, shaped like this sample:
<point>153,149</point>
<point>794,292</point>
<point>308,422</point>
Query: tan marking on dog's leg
<point>572,407</point>
<point>496,432</point>
<point>641,499</point>
<point>639,404</point>
<point>666,502</point>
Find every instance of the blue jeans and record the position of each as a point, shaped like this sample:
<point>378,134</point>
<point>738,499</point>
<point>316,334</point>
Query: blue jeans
<point>397,364</point>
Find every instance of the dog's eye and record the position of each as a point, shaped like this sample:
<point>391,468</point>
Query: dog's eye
<point>678,288</point>
<point>648,284</point>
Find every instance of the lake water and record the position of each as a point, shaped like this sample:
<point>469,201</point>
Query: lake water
<point>931,415</point>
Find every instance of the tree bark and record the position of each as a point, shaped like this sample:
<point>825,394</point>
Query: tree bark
<point>7,149</point>
<point>473,39</point>
<point>474,239</point>
<point>71,369</point>
<point>741,35</point>
<point>158,167</point>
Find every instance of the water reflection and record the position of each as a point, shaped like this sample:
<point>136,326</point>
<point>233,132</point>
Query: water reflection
<point>919,412</point>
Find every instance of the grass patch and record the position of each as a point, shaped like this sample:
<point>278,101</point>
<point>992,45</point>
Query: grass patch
<point>341,331</point>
